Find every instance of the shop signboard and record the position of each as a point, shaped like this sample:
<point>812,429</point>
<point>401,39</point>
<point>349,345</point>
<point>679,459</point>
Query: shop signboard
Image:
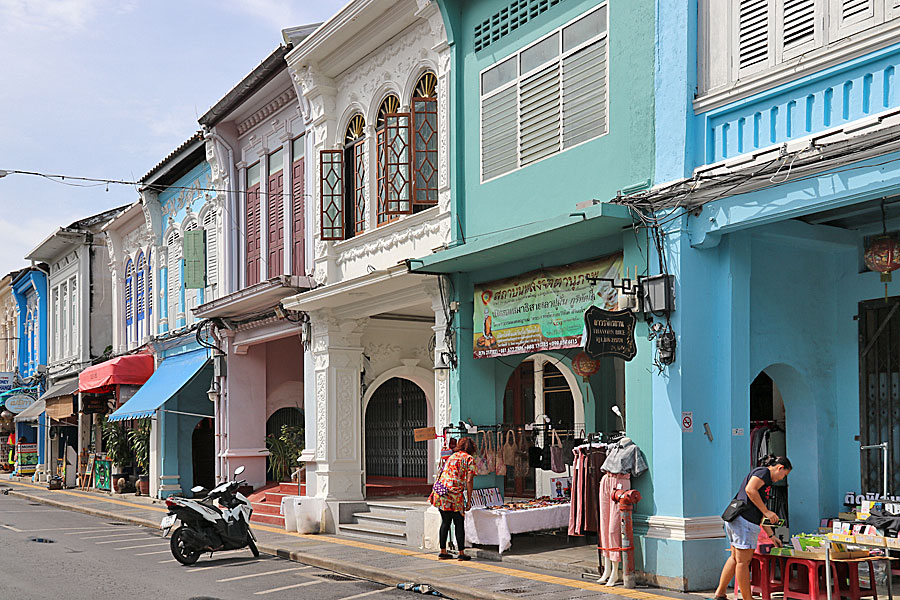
<point>26,459</point>
<point>93,403</point>
<point>6,383</point>
<point>16,403</point>
<point>103,474</point>
<point>609,332</point>
<point>541,310</point>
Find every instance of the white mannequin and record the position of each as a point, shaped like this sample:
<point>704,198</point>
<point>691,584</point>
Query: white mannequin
<point>610,567</point>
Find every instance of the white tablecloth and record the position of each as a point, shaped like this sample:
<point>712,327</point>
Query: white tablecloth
<point>495,527</point>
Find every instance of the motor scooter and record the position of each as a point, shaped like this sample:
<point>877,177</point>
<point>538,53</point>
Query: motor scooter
<point>218,521</point>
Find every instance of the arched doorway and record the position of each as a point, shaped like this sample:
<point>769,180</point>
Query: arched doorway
<point>203,457</point>
<point>396,408</point>
<point>768,434</point>
<point>289,416</point>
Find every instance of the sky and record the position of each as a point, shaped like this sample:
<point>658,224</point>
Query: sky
<point>107,88</point>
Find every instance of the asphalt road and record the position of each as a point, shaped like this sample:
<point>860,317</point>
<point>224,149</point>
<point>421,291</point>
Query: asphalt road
<point>46,552</point>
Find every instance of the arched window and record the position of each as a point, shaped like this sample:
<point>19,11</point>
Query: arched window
<point>425,142</point>
<point>140,296</point>
<point>212,258</point>
<point>173,276</point>
<point>343,185</point>
<point>392,143</point>
<point>129,301</point>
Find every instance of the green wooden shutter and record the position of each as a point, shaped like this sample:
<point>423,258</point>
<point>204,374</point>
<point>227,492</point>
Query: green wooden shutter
<point>195,259</point>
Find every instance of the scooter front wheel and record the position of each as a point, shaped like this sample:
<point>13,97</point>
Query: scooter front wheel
<point>180,548</point>
<point>253,548</point>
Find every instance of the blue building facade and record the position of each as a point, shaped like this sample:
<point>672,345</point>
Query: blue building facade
<point>30,293</point>
<point>775,173</point>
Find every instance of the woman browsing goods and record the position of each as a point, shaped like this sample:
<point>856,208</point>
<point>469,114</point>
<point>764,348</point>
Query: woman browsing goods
<point>452,496</point>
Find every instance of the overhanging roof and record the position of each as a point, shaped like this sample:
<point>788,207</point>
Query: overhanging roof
<point>32,412</point>
<point>64,388</point>
<point>584,226</point>
<point>131,369</point>
<point>261,296</point>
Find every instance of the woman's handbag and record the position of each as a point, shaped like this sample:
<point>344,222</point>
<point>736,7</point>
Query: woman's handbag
<point>509,449</point>
<point>557,462</point>
<point>490,456</point>
<point>521,465</point>
<point>499,464</point>
<point>734,510</point>
<point>481,465</point>
<point>440,488</point>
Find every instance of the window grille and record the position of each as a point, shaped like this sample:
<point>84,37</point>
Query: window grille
<point>508,19</point>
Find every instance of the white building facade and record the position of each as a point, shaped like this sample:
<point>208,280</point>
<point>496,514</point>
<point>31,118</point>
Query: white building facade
<point>373,83</point>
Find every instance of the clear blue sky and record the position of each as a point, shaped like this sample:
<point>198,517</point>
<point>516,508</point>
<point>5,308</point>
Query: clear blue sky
<point>106,88</point>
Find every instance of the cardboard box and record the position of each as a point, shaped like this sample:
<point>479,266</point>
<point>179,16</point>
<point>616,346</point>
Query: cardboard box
<point>871,540</point>
<point>892,542</point>
<point>820,554</point>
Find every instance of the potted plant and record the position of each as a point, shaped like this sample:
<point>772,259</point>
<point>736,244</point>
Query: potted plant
<point>140,444</point>
<point>284,451</point>
<point>118,448</point>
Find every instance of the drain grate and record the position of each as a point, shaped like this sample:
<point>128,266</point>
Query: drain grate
<point>335,577</point>
<point>117,524</point>
<point>40,540</point>
<point>515,591</point>
<point>35,504</point>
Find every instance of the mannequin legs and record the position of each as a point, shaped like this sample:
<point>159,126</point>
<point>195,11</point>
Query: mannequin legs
<point>607,567</point>
<point>613,573</point>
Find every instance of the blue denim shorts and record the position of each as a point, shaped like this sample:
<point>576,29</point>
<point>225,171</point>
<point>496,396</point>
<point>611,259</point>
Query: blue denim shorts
<point>742,534</point>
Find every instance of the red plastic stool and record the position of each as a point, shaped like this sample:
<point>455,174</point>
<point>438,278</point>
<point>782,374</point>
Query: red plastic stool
<point>764,577</point>
<point>804,579</point>
<point>849,581</point>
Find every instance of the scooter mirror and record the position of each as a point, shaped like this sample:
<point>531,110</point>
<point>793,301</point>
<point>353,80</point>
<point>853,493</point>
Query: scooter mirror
<point>197,489</point>
<point>239,470</point>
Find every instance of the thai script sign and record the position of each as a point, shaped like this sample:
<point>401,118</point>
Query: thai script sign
<point>609,332</point>
<point>16,403</point>
<point>541,310</point>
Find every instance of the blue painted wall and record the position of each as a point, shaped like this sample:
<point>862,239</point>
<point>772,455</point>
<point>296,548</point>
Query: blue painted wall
<point>28,286</point>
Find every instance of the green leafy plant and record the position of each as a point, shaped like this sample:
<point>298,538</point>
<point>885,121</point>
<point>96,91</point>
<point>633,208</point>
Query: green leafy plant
<point>140,444</point>
<point>284,450</point>
<point>116,443</point>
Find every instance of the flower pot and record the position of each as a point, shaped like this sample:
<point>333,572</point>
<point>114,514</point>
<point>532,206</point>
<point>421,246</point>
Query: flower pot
<point>143,485</point>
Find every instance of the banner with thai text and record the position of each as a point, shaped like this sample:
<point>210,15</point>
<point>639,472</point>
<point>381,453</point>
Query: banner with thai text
<point>541,310</point>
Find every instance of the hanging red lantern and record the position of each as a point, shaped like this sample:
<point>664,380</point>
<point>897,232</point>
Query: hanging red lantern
<point>883,255</point>
<point>584,365</point>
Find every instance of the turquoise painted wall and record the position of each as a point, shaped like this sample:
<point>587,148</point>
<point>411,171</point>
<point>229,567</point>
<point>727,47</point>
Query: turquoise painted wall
<point>177,429</point>
<point>621,158</point>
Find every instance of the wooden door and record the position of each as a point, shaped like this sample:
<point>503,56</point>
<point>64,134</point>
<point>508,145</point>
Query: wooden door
<point>518,410</point>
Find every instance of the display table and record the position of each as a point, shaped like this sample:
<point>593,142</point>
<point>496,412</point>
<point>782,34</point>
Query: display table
<point>495,527</point>
<point>875,542</point>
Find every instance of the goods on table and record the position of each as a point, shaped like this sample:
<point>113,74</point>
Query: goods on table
<point>541,502</point>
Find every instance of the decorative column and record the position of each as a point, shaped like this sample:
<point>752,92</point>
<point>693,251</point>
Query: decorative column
<point>442,378</point>
<point>337,363</point>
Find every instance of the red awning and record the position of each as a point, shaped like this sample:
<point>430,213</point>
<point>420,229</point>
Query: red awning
<point>132,369</point>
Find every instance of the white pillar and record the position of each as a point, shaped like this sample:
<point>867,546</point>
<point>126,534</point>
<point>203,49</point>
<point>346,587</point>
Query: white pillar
<point>337,355</point>
<point>442,379</point>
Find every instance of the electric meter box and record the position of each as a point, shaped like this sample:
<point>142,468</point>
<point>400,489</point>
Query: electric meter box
<point>657,294</point>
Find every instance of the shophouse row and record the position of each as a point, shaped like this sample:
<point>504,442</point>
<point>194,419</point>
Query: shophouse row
<point>399,218</point>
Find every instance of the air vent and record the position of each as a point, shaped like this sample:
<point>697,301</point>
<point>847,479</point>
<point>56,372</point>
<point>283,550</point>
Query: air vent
<point>508,19</point>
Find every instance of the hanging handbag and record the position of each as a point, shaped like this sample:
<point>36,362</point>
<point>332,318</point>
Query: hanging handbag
<point>521,465</point>
<point>499,465</point>
<point>487,450</point>
<point>440,488</point>
<point>481,467</point>
<point>734,509</point>
<point>557,461</point>
<point>509,449</point>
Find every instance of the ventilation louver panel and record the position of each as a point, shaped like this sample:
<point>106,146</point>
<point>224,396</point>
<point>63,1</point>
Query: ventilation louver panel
<point>499,133</point>
<point>584,95</point>
<point>539,113</point>
<point>753,33</point>
<point>799,22</point>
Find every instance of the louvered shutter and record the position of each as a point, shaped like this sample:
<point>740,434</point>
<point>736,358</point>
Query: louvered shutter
<point>584,97</point>
<point>397,164</point>
<point>331,194</point>
<point>799,27</point>
<point>298,237</point>
<point>275,229</point>
<point>850,16</point>
<point>753,35</point>
<point>195,259</point>
<point>253,234</point>
<point>149,283</point>
<point>173,279</point>
<point>499,133</point>
<point>212,251</point>
<point>539,103</point>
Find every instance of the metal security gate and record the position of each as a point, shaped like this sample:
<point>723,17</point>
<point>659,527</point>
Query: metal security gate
<point>879,395</point>
<point>396,408</point>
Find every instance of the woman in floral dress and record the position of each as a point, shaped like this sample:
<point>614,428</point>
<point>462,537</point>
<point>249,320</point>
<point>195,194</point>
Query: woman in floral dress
<point>457,476</point>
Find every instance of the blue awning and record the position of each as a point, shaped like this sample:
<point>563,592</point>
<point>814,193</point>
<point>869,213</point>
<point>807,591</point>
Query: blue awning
<point>173,374</point>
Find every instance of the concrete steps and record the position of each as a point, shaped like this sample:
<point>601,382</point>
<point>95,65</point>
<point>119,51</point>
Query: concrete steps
<point>266,502</point>
<point>383,522</point>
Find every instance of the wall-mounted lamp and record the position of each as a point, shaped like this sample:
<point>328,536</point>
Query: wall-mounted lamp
<point>213,391</point>
<point>441,368</point>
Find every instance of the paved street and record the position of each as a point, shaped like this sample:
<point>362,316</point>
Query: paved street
<point>53,553</point>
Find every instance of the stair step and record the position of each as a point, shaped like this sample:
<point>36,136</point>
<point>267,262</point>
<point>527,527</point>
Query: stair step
<point>266,508</point>
<point>291,489</point>
<point>372,533</point>
<point>277,520</point>
<point>387,508</point>
<point>387,519</point>
<point>275,497</point>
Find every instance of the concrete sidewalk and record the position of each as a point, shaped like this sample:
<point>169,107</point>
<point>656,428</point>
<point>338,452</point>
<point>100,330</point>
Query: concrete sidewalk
<point>388,565</point>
